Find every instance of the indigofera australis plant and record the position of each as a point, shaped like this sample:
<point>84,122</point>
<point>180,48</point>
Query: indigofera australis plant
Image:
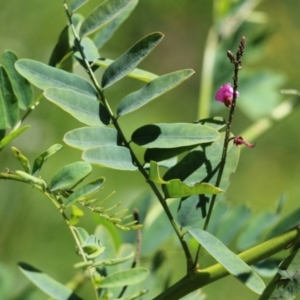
<point>196,160</point>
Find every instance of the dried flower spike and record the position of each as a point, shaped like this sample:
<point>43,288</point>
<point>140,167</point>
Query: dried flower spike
<point>238,140</point>
<point>225,94</point>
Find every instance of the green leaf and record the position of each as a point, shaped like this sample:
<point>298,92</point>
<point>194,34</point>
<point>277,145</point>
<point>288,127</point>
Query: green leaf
<point>173,135</point>
<point>81,107</point>
<point>202,163</point>
<point>136,73</point>
<point>237,216</point>
<point>285,285</point>
<point>85,191</point>
<point>44,76</point>
<point>177,189</point>
<point>102,14</point>
<point>90,52</point>
<point>285,224</point>
<point>113,261</point>
<point>232,263</point>
<point>215,122</point>
<point>89,137</point>
<point>135,296</point>
<point>110,156</point>
<point>264,85</point>
<point>41,159</point>
<point>47,284</point>
<point>37,182</point>
<point>128,61</point>
<point>6,140</point>
<point>255,228</point>
<point>75,4</point>
<point>106,31</point>
<point>70,175</point>
<point>92,247</point>
<point>152,90</point>
<point>157,221</point>
<point>82,234</point>
<point>9,110</point>
<point>61,49</point>
<point>22,88</point>
<point>76,214</point>
<point>22,159</point>
<point>161,154</point>
<point>122,278</point>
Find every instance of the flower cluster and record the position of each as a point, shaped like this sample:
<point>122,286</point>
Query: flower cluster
<point>225,94</point>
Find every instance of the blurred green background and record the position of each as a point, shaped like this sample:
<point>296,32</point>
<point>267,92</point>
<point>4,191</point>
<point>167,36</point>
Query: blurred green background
<point>33,231</point>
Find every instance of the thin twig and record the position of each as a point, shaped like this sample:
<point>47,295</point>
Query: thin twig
<point>237,67</point>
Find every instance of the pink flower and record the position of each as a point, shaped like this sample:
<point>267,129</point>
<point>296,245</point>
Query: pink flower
<point>225,94</point>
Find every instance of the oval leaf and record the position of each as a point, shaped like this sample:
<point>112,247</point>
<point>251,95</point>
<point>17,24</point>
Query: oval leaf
<point>81,107</point>
<point>9,109</point>
<point>152,90</point>
<point>41,159</point>
<point>102,14</point>
<point>106,32</point>
<point>113,261</point>
<point>21,86</point>
<point>231,262</point>
<point>178,189</point>
<point>47,284</point>
<point>70,175</point>
<point>85,191</point>
<point>75,4</point>
<point>110,156</point>
<point>136,73</point>
<point>44,76</point>
<point>173,135</point>
<point>128,61</point>
<point>122,278</point>
<point>89,137</point>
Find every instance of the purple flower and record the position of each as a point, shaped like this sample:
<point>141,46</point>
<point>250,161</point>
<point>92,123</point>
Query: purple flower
<point>225,94</point>
<point>238,140</point>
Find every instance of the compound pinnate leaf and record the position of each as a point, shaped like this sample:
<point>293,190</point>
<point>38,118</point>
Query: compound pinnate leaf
<point>173,135</point>
<point>231,262</point>
<point>9,109</point>
<point>89,137</point>
<point>47,284</point>
<point>70,175</point>
<point>6,140</point>
<point>81,107</point>
<point>128,61</point>
<point>110,156</point>
<point>21,86</point>
<point>122,278</point>
<point>152,90</point>
<point>44,76</point>
<point>41,159</point>
<point>85,191</point>
<point>102,14</point>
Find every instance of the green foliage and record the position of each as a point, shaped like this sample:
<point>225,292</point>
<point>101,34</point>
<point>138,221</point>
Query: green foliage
<point>229,260</point>
<point>189,162</point>
<point>47,284</point>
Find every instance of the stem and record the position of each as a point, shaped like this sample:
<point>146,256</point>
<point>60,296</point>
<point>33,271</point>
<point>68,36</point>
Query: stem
<point>237,67</point>
<point>201,278</point>
<point>78,244</point>
<point>161,199</point>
